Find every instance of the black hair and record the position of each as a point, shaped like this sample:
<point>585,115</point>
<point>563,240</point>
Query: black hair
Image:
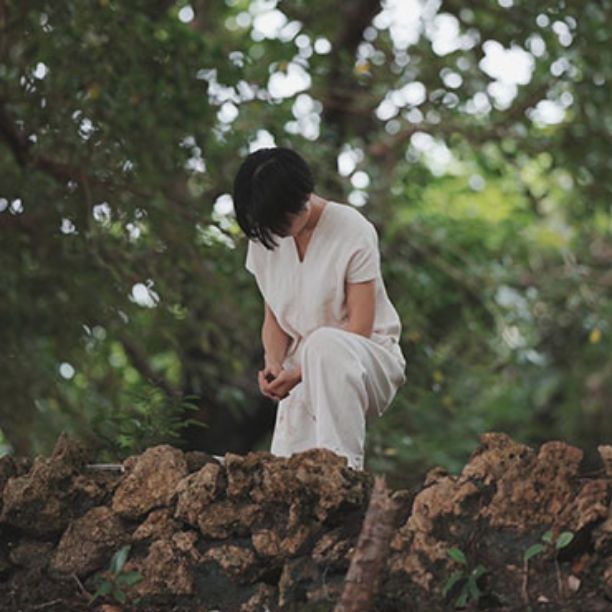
<point>270,185</point>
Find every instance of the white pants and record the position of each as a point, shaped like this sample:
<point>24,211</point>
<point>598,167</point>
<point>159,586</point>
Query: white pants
<point>347,379</point>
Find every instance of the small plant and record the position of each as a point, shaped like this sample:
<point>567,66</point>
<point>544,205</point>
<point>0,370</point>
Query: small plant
<point>469,589</point>
<point>564,538</point>
<point>119,579</point>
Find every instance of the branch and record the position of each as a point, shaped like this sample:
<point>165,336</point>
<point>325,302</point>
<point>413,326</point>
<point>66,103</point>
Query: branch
<point>368,559</point>
<point>139,361</point>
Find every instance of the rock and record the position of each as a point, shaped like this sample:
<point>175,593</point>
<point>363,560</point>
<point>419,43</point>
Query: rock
<point>236,561</point>
<point>267,543</point>
<point>71,452</point>
<point>165,570</point>
<point>264,598</point>
<point>31,554</point>
<point>227,518</point>
<point>605,452</point>
<point>159,524</point>
<point>319,474</point>
<point>532,492</point>
<point>89,542</point>
<point>43,500</point>
<point>228,534</point>
<point>332,550</point>
<point>197,491</point>
<point>196,460</point>
<point>298,576</point>
<point>244,473</point>
<point>8,469</point>
<point>150,482</point>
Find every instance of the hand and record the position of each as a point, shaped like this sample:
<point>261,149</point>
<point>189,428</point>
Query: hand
<point>266,376</point>
<point>284,382</point>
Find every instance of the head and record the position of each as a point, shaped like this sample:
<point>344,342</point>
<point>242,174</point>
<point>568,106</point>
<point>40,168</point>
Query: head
<point>271,195</point>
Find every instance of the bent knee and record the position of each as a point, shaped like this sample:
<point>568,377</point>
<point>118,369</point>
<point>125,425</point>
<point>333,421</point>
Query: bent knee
<point>327,342</point>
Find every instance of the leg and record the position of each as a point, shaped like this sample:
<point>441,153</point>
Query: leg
<point>294,429</point>
<point>347,379</point>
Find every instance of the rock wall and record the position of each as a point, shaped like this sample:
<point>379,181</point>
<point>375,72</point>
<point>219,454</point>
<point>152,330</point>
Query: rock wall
<point>261,532</point>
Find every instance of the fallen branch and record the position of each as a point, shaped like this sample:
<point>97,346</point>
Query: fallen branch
<point>370,552</point>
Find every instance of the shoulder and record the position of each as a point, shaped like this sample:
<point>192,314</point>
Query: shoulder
<point>352,219</point>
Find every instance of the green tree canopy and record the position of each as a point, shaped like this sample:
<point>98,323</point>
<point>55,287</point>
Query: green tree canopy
<point>475,136</point>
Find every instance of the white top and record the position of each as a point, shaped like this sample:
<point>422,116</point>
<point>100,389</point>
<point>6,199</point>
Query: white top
<point>305,295</point>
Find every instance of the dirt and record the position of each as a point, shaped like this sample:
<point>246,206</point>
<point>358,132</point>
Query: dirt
<point>262,532</point>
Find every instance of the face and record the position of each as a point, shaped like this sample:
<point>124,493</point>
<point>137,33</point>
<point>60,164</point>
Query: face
<point>298,222</point>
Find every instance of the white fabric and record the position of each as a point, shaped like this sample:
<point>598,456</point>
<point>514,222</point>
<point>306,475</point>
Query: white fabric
<point>308,295</point>
<point>347,379</point>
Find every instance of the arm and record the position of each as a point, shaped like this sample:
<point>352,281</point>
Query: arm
<point>361,307</point>
<point>275,341</point>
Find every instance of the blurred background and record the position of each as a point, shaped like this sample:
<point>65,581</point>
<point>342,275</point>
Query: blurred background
<point>476,136</point>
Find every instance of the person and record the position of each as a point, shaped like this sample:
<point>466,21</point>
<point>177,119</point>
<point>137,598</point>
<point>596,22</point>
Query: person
<point>330,334</point>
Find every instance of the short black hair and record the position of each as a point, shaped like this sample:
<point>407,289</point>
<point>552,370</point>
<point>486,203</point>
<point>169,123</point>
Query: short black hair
<point>271,184</point>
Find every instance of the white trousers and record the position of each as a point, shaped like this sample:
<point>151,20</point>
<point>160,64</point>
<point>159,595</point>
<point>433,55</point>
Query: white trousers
<point>347,380</point>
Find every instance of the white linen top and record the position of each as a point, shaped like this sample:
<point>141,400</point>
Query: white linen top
<point>305,295</point>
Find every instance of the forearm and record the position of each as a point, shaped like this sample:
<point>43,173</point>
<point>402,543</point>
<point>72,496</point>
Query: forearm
<point>363,328</point>
<point>275,342</point>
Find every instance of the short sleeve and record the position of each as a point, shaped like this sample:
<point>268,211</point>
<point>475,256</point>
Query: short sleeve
<point>364,263</point>
<point>249,264</point>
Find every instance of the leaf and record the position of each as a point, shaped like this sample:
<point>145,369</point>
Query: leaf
<point>564,539</point>
<point>473,589</point>
<point>457,555</point>
<point>478,571</point>
<point>450,583</point>
<point>119,596</point>
<point>104,589</point>
<point>533,550</point>
<point>119,559</point>
<point>129,578</point>
<point>461,601</point>
<point>547,537</point>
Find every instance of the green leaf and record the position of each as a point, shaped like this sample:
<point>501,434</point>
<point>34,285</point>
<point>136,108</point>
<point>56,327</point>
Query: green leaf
<point>129,578</point>
<point>457,555</point>
<point>119,559</point>
<point>533,550</point>
<point>478,571</point>
<point>547,537</point>
<point>461,601</point>
<point>119,596</point>
<point>104,589</point>
<point>473,588</point>
<point>450,583</point>
<point>564,539</point>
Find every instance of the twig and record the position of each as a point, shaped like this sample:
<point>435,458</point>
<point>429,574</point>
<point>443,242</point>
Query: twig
<point>559,580</point>
<point>369,556</point>
<point>525,582</point>
<point>81,587</point>
<point>46,604</point>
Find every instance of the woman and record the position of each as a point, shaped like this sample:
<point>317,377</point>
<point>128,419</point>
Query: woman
<point>330,333</point>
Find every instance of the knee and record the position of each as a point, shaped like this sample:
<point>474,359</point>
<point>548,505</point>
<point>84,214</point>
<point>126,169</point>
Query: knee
<point>320,338</point>
<point>325,342</point>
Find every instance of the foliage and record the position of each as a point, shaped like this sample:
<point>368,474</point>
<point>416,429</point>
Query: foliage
<point>122,267</point>
<point>468,578</point>
<point>561,541</point>
<point>118,578</point>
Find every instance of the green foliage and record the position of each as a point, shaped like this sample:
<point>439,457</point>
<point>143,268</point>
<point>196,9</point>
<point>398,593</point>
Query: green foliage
<point>149,418</point>
<point>123,286</point>
<point>118,580</point>
<point>467,577</point>
<point>562,541</point>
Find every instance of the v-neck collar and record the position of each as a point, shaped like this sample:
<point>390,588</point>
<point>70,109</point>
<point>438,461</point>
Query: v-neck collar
<point>315,232</point>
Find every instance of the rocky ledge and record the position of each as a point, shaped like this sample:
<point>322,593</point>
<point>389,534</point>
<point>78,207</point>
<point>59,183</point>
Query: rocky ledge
<point>516,529</point>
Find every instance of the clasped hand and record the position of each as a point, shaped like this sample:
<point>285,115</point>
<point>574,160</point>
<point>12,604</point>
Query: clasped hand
<point>276,382</point>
